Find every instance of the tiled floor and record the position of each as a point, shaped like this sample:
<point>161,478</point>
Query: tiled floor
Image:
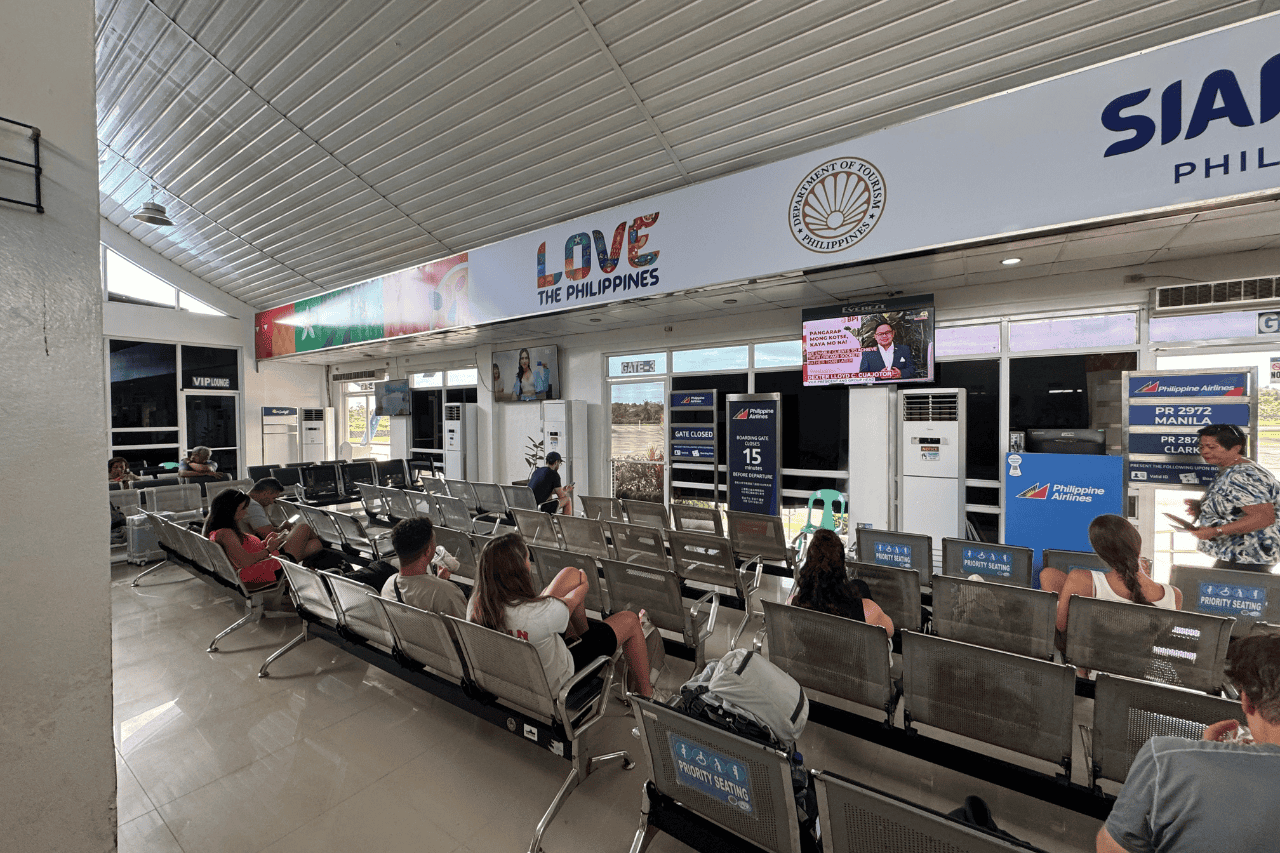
<point>330,753</point>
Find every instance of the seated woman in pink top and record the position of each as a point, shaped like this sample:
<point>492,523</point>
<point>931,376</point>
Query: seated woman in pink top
<point>1117,542</point>
<point>253,558</point>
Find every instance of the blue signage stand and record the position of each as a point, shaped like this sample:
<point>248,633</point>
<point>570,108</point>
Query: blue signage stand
<point>690,438</point>
<point>1050,498</point>
<point>754,423</point>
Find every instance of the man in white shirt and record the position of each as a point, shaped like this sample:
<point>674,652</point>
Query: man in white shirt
<point>301,542</point>
<point>417,583</point>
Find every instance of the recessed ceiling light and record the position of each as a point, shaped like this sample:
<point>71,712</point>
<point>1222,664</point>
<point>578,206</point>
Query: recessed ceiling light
<point>1008,262</point>
<point>594,320</point>
<point>731,302</point>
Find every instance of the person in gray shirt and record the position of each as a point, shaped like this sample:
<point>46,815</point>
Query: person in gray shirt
<point>419,583</point>
<point>301,541</point>
<point>1215,794</point>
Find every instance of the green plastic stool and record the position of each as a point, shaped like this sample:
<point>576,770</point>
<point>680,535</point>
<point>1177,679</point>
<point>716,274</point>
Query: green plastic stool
<point>833,505</point>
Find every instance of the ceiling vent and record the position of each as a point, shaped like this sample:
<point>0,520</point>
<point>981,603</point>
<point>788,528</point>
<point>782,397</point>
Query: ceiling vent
<point>358,376</point>
<point>1195,298</point>
<point>943,406</point>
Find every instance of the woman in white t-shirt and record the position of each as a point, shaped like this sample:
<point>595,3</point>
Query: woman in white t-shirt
<point>504,599</point>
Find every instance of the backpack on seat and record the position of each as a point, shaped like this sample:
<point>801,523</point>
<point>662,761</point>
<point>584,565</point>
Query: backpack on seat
<point>744,685</point>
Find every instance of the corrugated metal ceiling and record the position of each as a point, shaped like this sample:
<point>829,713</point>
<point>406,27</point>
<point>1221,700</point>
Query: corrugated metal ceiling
<point>302,145</point>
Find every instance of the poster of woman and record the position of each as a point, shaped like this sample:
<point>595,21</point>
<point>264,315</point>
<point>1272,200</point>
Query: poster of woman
<point>526,375</point>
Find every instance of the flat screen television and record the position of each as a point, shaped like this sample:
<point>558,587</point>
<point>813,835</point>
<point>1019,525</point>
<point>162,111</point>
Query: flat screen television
<point>391,399</point>
<point>889,341</point>
<point>1088,442</point>
<point>1009,564</point>
<point>900,550</point>
<point>526,375</point>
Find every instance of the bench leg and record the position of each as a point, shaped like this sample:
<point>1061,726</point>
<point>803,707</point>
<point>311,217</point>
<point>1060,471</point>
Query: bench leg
<point>157,567</point>
<point>575,776</point>
<point>646,832</point>
<point>737,632</point>
<point>252,616</point>
<point>281,652</point>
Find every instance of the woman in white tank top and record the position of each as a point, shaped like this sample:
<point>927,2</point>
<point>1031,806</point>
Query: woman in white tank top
<point>1117,542</point>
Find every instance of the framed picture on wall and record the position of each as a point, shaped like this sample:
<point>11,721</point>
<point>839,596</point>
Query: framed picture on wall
<point>526,375</point>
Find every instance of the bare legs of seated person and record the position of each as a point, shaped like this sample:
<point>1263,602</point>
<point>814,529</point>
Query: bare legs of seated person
<point>625,625</point>
<point>302,542</point>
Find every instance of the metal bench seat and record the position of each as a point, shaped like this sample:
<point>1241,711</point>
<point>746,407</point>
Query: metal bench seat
<point>996,616</point>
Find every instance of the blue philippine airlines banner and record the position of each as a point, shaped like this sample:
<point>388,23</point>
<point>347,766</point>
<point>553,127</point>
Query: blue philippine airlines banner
<point>1050,498</point>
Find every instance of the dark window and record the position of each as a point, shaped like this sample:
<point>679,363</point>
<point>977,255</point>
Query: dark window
<point>815,425</point>
<point>981,381</point>
<point>211,420</point>
<point>460,395</point>
<point>124,439</point>
<point>428,428</point>
<point>144,385</point>
<point>210,368</point>
<point>1063,391</point>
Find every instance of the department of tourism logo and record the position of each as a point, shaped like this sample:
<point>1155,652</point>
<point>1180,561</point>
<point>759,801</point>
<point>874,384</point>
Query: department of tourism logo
<point>836,205</point>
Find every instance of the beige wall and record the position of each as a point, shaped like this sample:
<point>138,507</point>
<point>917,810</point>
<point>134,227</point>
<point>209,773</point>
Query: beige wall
<point>57,765</point>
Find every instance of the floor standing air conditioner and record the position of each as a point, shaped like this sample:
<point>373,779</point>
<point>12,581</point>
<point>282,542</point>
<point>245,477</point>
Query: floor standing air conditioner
<point>317,434</point>
<point>461,460</point>
<point>931,464</point>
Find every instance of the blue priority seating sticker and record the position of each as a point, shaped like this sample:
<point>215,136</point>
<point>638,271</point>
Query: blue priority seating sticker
<point>711,773</point>
<point>1232,599</point>
<point>987,561</point>
<point>889,554</point>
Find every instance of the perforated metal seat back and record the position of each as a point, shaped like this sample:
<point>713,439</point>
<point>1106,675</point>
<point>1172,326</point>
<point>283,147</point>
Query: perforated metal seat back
<point>322,482</point>
<point>647,513</point>
<point>549,562</point>
<point>635,544</point>
<point>697,519</point>
<point>392,472</point>
<point>995,616</point>
<point>455,513</point>
<point>310,593</point>
<point>739,785</point>
<point>211,556</point>
<point>423,637</point>
<point>1246,596</point>
<point>1169,646</point>
<point>704,558</point>
<point>1012,701</point>
<point>360,614</point>
<point>755,535</point>
<point>840,657</point>
<point>424,506</point>
<point>212,490</point>
<point>355,473</point>
<point>490,497</point>
<point>458,544</point>
<point>128,501</point>
<point>536,528</point>
<point>434,485</point>
<point>397,503</point>
<point>1127,713</point>
<point>519,497</point>
<point>462,490</point>
<point>897,591</point>
<point>371,499</point>
<point>635,587</point>
<point>185,498</point>
<point>506,667</point>
<point>602,509</point>
<point>858,819</point>
<point>288,476</point>
<point>322,523</point>
<point>585,535</point>
<point>354,533</point>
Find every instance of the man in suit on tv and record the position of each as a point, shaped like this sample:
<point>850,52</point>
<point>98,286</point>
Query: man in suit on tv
<point>888,356</point>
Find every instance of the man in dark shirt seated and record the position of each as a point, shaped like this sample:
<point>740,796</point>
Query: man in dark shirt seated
<point>547,490</point>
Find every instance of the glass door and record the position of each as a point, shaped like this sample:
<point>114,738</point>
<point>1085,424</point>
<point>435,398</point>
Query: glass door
<point>213,421</point>
<point>638,440</point>
<point>368,434</point>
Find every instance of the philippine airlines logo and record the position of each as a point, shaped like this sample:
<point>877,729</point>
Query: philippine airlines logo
<point>1191,387</point>
<point>1036,492</point>
<point>743,415</point>
<point>836,205</point>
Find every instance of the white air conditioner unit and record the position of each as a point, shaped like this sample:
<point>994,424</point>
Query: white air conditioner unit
<point>461,459</point>
<point>317,434</point>
<point>931,464</point>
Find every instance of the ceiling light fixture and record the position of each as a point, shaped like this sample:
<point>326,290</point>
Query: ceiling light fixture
<point>594,320</point>
<point>152,212</point>
<point>1008,262</point>
<point>731,302</point>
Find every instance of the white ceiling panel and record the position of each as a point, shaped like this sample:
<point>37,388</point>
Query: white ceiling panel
<point>304,145</point>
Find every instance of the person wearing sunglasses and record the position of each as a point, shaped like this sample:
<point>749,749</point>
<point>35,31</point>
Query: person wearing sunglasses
<point>1236,520</point>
